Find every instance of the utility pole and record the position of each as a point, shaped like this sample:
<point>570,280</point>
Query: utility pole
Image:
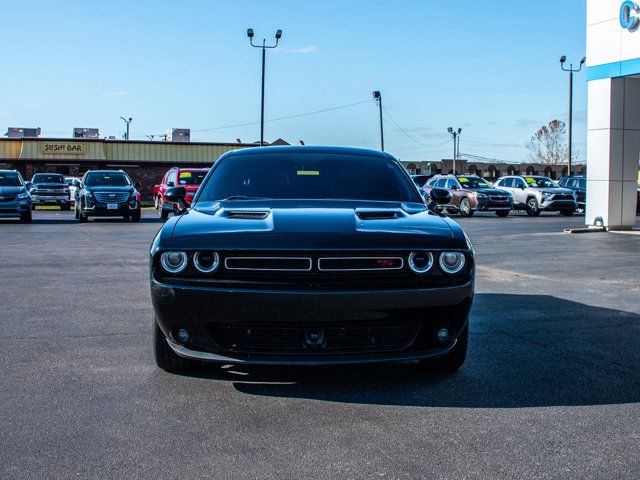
<point>264,46</point>
<point>128,122</point>
<point>378,98</point>
<point>571,71</point>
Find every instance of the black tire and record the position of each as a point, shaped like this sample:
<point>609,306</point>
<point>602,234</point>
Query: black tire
<point>26,217</point>
<point>66,208</point>
<point>33,207</point>
<point>503,213</point>
<point>453,360</point>
<point>165,357</point>
<point>75,211</point>
<point>533,209</point>
<point>567,213</point>
<point>136,216</point>
<point>156,202</point>
<point>164,214</point>
<point>465,207</point>
<point>81,217</point>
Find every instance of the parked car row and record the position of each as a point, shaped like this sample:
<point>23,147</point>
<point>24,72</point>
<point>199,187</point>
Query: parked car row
<point>530,193</point>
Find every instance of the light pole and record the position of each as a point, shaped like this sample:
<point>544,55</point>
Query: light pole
<point>378,98</point>
<point>571,71</point>
<point>128,122</point>
<point>455,134</point>
<point>264,46</point>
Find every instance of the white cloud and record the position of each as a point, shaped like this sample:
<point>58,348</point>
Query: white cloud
<point>309,49</point>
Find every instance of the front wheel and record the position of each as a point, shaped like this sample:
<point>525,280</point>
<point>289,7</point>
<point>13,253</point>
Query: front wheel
<point>136,216</point>
<point>453,360</point>
<point>156,202</point>
<point>533,210</point>
<point>165,357</point>
<point>164,214</point>
<point>465,208</point>
<point>65,208</point>
<point>26,217</point>
<point>502,213</point>
<point>80,216</point>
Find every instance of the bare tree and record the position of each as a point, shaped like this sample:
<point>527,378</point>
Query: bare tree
<point>549,144</point>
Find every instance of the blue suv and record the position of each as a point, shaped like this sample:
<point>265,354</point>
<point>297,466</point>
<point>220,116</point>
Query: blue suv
<point>15,200</point>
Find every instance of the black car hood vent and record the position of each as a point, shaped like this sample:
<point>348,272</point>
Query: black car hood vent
<point>247,214</point>
<point>377,214</point>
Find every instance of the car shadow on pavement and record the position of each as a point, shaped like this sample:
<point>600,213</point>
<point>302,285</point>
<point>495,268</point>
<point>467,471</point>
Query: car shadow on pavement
<point>524,351</point>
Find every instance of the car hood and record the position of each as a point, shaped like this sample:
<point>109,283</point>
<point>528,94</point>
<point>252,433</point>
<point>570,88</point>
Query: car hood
<point>50,185</point>
<point>106,188</point>
<point>491,191</point>
<point>314,225</point>
<point>11,190</point>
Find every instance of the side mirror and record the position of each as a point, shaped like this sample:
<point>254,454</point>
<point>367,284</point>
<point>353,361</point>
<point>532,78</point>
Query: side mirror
<point>171,184</point>
<point>439,196</point>
<point>521,187</point>
<point>137,184</point>
<point>176,195</point>
<point>454,187</point>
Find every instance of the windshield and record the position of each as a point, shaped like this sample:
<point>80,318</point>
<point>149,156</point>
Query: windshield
<point>48,178</point>
<point>10,179</point>
<point>107,179</point>
<point>582,183</point>
<point>474,182</point>
<point>309,176</point>
<point>187,177</point>
<point>540,182</point>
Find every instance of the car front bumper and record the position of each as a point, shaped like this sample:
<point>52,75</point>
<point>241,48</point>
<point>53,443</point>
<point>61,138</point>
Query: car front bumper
<point>489,205</point>
<point>99,209</point>
<point>557,205</point>
<point>208,314</point>
<point>14,208</point>
<point>50,199</point>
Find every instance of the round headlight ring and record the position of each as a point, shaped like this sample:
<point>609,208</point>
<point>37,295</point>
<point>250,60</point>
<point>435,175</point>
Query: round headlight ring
<point>174,262</point>
<point>449,267</point>
<point>417,268</point>
<point>199,258</point>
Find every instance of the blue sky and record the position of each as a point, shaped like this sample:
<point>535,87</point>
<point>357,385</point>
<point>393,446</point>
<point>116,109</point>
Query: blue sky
<point>489,67</point>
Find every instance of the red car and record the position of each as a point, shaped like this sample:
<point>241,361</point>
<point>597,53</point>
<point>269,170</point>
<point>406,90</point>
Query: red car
<point>189,178</point>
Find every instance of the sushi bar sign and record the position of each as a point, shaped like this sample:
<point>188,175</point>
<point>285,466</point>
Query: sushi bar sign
<point>62,148</point>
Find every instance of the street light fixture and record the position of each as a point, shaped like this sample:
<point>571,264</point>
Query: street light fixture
<point>264,46</point>
<point>378,98</point>
<point>571,70</point>
<point>128,122</point>
<point>455,134</point>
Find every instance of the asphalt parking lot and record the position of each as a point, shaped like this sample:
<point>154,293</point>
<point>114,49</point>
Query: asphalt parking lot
<point>551,387</point>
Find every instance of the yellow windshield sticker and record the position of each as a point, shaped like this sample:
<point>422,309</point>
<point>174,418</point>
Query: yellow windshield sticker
<point>185,174</point>
<point>463,180</point>
<point>308,172</point>
<point>530,180</point>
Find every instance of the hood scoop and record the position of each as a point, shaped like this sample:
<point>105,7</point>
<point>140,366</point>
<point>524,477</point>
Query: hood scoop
<point>247,214</point>
<point>370,214</point>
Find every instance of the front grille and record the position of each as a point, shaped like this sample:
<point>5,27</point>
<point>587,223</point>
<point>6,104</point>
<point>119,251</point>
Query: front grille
<point>48,192</point>
<point>296,339</point>
<point>346,264</point>
<point>494,198</point>
<point>563,196</point>
<point>111,197</point>
<point>7,198</point>
<point>294,277</point>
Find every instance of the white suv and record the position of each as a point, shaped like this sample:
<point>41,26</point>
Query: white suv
<point>535,193</point>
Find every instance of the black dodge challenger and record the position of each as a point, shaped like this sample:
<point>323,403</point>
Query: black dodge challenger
<point>309,256</point>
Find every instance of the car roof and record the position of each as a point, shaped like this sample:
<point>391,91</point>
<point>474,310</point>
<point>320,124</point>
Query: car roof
<point>8,171</point>
<point>309,150</point>
<point>106,171</point>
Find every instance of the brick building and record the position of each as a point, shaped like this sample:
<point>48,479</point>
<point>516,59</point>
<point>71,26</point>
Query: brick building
<point>144,161</point>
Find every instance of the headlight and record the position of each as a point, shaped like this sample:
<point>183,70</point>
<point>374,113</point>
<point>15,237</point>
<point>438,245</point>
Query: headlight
<point>174,262</point>
<point>452,262</point>
<point>23,196</point>
<point>420,262</point>
<point>480,195</point>
<point>206,262</point>
<point>547,194</point>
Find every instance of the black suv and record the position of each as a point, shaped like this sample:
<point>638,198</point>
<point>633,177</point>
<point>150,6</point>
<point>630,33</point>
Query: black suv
<point>579,186</point>
<point>107,193</point>
<point>307,256</point>
<point>49,189</point>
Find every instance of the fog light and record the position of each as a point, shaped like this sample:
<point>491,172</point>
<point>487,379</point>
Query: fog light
<point>443,335</point>
<point>182,335</point>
